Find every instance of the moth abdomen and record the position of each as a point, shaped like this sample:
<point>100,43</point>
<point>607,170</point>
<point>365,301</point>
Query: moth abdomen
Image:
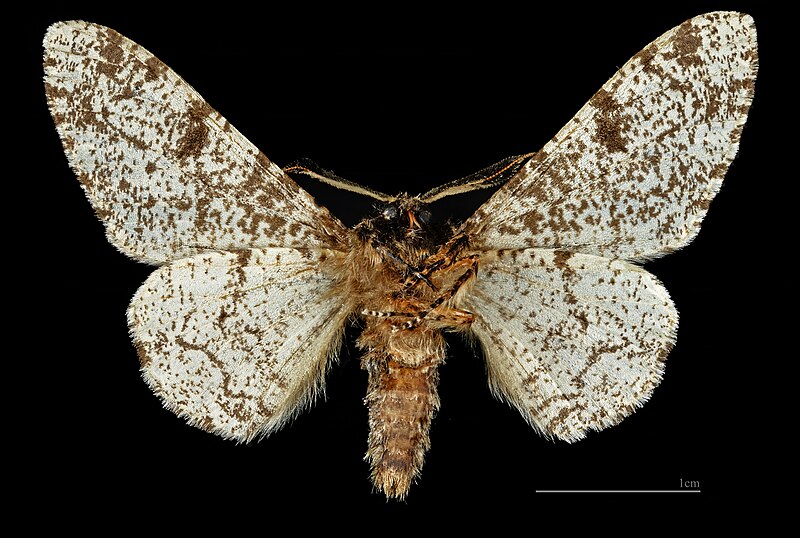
<point>402,400</point>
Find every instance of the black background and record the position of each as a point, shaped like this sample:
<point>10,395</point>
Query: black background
<point>400,99</point>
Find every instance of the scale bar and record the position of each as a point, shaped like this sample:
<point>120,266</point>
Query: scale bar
<point>618,491</point>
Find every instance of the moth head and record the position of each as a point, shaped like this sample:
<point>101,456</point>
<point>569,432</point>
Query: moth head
<point>406,211</point>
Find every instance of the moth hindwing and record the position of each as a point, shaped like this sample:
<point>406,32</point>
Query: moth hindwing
<point>237,326</point>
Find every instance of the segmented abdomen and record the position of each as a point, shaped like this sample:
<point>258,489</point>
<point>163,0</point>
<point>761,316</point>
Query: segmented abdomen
<point>402,401</point>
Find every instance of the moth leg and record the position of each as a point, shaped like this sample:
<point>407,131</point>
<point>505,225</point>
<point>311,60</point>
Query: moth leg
<point>413,312</point>
<point>395,325</point>
<point>444,318</point>
<point>472,269</point>
<point>414,272</point>
<point>386,314</point>
<point>457,315</point>
<point>407,308</point>
<point>444,258</point>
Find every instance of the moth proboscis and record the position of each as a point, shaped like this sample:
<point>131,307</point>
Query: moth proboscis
<point>238,325</point>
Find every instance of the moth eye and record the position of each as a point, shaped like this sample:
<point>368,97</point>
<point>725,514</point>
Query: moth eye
<point>424,216</point>
<point>391,212</point>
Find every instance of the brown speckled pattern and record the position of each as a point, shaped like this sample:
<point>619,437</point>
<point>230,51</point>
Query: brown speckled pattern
<point>632,174</point>
<point>238,342</point>
<point>574,341</point>
<point>236,330</point>
<point>168,176</point>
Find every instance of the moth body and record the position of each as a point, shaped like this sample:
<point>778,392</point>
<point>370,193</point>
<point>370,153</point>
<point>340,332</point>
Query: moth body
<point>406,294</point>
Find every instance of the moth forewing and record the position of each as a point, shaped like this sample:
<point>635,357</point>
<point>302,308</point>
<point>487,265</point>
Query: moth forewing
<point>168,176</point>
<point>632,175</point>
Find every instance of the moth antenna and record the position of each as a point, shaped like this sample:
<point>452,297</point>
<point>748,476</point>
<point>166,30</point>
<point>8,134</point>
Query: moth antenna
<point>309,168</point>
<point>486,178</point>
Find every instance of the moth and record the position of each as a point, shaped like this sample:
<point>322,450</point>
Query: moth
<point>255,283</point>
